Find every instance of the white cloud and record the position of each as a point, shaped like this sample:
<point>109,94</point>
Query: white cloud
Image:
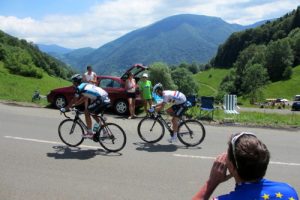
<point>109,20</point>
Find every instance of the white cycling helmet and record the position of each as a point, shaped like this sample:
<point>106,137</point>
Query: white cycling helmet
<point>158,86</point>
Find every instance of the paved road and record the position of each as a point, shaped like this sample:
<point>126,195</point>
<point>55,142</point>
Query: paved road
<point>35,165</point>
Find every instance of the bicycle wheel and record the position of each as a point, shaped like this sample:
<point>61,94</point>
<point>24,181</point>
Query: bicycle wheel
<point>70,132</point>
<point>191,132</point>
<point>112,137</point>
<point>151,130</point>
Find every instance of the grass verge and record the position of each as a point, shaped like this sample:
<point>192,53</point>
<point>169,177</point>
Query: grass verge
<point>260,119</point>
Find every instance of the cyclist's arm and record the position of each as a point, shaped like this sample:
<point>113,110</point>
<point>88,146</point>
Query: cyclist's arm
<point>159,107</point>
<point>79,101</point>
<point>76,101</point>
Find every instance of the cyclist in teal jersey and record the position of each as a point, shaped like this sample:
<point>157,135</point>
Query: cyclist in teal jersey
<point>93,97</point>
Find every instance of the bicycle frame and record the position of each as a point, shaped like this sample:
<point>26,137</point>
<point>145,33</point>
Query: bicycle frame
<point>158,116</point>
<point>79,120</point>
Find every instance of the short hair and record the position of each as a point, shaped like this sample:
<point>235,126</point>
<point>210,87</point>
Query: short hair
<point>88,67</point>
<point>251,156</point>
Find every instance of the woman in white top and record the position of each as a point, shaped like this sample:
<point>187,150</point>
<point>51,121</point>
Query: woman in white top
<point>90,76</point>
<point>130,86</point>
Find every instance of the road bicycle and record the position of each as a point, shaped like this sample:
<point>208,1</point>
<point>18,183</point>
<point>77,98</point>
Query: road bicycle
<point>110,135</point>
<point>151,129</point>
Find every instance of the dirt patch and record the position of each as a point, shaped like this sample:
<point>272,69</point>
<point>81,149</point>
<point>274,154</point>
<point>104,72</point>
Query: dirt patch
<point>24,104</point>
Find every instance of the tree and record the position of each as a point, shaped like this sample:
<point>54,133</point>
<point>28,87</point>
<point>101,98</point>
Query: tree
<point>160,73</point>
<point>296,19</point>
<point>256,76</point>
<point>279,56</point>
<point>295,44</point>
<point>193,68</point>
<point>183,78</point>
<point>252,55</point>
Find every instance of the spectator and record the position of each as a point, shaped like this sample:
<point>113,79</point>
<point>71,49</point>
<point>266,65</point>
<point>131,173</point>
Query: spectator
<point>90,76</point>
<point>246,159</point>
<point>145,87</point>
<point>130,86</point>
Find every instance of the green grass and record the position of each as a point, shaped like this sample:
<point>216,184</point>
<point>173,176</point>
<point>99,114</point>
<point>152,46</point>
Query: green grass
<point>20,88</point>
<point>252,118</point>
<point>209,81</point>
<point>284,89</point>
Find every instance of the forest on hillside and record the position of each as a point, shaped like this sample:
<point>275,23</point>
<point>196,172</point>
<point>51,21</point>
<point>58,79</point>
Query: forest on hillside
<point>259,56</point>
<point>24,58</point>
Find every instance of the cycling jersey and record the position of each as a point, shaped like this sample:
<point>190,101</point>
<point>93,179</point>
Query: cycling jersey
<point>90,91</point>
<point>174,97</point>
<point>262,190</point>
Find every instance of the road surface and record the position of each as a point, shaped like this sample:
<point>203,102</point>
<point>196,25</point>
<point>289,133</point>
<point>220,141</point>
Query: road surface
<point>36,165</point>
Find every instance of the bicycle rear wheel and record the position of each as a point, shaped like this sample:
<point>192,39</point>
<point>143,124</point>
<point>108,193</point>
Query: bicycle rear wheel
<point>70,132</point>
<point>191,132</point>
<point>151,130</point>
<point>112,137</point>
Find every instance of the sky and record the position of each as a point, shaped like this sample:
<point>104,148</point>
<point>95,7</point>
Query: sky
<point>93,23</point>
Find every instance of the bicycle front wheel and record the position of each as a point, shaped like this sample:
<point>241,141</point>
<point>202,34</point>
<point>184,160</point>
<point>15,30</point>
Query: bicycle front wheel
<point>70,132</point>
<point>191,132</point>
<point>112,137</point>
<point>151,130</point>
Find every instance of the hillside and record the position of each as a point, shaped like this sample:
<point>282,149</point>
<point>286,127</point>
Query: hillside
<point>25,58</point>
<point>270,31</point>
<point>173,40</point>
<point>286,88</point>
<point>20,88</point>
<point>210,80</point>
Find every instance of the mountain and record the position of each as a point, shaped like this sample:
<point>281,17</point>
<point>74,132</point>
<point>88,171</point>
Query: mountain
<point>53,49</point>
<point>173,40</point>
<point>72,58</point>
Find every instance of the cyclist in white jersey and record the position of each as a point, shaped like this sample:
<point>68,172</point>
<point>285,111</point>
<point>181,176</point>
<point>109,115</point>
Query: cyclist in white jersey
<point>95,99</point>
<point>178,108</point>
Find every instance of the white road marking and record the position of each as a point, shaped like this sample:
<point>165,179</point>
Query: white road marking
<point>213,158</point>
<point>176,155</point>
<point>48,142</point>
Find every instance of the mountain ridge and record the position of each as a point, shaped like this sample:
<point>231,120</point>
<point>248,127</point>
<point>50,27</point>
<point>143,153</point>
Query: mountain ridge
<point>180,38</point>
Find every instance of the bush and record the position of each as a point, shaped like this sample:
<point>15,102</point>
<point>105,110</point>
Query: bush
<point>25,70</point>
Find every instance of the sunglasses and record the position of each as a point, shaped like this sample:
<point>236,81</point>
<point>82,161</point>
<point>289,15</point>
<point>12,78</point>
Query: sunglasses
<point>233,141</point>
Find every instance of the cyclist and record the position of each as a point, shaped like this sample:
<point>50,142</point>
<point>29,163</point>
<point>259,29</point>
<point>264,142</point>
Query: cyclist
<point>94,99</point>
<point>178,108</point>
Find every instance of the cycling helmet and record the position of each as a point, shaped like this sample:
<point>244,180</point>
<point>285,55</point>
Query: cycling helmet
<point>77,78</point>
<point>158,86</point>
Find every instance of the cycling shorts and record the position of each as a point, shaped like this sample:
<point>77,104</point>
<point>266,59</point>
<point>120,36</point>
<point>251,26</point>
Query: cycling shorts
<point>99,104</point>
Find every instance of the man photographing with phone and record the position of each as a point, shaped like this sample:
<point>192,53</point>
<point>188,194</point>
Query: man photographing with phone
<point>246,159</point>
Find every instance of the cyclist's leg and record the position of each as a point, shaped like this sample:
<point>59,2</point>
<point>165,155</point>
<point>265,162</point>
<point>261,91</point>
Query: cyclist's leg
<point>172,112</point>
<point>177,112</point>
<point>175,122</point>
<point>95,108</point>
<point>87,115</point>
